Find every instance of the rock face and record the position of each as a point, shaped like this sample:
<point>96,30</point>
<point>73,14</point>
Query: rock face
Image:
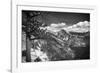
<point>61,46</point>
<point>37,53</point>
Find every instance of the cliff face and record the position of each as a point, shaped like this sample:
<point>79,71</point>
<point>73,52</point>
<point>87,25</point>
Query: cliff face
<point>61,46</point>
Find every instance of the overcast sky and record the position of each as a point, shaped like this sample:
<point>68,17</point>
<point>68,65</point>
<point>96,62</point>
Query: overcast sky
<point>68,18</point>
<point>62,17</point>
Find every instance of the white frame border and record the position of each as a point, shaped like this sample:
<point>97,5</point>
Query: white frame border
<point>16,28</point>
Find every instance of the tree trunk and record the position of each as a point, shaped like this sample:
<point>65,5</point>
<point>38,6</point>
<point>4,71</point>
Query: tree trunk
<point>28,48</point>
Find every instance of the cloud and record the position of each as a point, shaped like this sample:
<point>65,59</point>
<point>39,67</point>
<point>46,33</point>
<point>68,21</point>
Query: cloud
<point>56,27</point>
<point>79,27</point>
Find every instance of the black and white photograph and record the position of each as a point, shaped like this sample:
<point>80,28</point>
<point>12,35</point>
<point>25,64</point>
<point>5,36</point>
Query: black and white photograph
<point>54,36</point>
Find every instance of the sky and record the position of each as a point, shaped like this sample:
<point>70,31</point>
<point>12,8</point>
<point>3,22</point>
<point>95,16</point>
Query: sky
<point>56,21</point>
<point>62,17</point>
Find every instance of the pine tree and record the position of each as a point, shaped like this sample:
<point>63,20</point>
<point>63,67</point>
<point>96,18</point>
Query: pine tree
<point>30,25</point>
